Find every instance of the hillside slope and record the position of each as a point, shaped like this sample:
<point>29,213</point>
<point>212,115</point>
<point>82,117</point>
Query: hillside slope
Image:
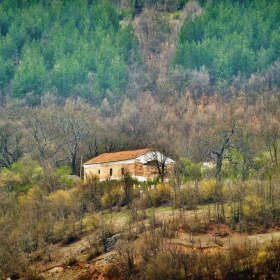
<point>90,50</point>
<point>75,261</point>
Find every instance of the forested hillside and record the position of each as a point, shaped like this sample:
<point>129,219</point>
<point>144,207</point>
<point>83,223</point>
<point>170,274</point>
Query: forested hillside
<point>231,40</point>
<point>106,64</point>
<point>89,49</point>
<point>196,80</point>
<point>69,48</point>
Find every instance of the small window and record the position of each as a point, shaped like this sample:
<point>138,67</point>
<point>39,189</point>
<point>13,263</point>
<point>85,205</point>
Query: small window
<point>122,171</point>
<point>111,172</point>
<point>99,171</point>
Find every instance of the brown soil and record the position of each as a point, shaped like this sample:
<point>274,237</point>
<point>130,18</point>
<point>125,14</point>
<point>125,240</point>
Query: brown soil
<point>217,238</point>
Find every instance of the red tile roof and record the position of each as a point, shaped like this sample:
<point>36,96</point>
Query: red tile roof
<point>117,156</point>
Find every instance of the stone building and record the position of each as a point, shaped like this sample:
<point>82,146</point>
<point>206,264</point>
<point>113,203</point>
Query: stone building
<point>142,165</point>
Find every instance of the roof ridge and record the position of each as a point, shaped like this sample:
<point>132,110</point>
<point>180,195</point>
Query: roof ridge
<point>118,156</point>
<point>127,151</point>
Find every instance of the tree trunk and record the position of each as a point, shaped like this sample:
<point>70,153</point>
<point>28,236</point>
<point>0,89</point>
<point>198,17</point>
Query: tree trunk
<point>73,164</point>
<point>219,188</point>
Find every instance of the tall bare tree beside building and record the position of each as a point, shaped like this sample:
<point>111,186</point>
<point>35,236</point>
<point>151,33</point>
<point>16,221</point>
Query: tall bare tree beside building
<point>72,122</point>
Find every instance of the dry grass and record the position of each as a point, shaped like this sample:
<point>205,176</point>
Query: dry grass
<point>77,260</point>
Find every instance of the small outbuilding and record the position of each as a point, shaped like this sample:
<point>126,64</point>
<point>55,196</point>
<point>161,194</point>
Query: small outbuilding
<point>144,164</point>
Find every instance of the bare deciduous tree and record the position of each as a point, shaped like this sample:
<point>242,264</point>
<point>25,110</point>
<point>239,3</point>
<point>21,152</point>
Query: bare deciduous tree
<point>72,124</point>
<point>44,132</point>
<point>11,148</point>
<point>162,164</point>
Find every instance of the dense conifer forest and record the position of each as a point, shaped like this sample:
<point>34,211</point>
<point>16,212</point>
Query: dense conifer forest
<point>196,80</point>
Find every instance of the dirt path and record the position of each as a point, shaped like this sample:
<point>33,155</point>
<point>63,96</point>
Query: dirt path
<point>216,239</point>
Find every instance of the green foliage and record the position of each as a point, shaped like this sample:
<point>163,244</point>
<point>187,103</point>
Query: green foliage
<point>237,165</point>
<point>63,171</point>
<point>230,38</point>
<point>263,166</point>
<point>111,70</point>
<point>176,15</point>
<point>31,75</point>
<point>52,46</point>
<point>6,70</point>
<point>201,2</point>
<point>21,176</point>
<point>62,175</point>
<point>188,170</point>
